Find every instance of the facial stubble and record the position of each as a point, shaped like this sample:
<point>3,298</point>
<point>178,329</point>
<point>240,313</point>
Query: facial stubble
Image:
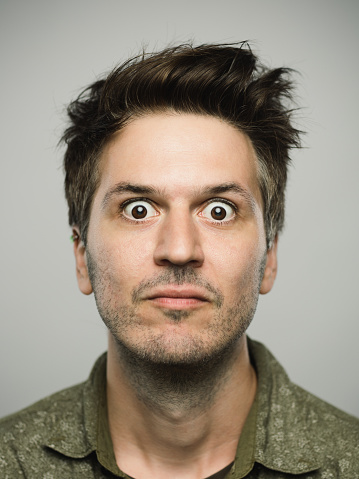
<point>188,374</point>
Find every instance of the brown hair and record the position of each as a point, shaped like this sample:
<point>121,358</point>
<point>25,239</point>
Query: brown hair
<point>224,81</point>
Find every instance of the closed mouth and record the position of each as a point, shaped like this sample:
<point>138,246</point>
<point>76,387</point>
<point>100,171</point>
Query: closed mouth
<point>177,297</point>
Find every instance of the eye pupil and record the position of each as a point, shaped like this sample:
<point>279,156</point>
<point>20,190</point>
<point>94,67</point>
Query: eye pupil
<point>139,212</point>
<point>218,213</point>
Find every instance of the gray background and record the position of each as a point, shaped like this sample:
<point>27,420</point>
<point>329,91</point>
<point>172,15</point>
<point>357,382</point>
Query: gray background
<point>50,333</point>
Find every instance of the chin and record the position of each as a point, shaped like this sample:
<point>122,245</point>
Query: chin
<point>177,349</point>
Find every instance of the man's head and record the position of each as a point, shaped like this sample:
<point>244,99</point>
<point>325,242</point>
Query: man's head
<point>224,82</point>
<point>175,176</point>
<point>176,250</point>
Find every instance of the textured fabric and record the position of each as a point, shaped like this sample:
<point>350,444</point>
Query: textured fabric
<point>292,433</point>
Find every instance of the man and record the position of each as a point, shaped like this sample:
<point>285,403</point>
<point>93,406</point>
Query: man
<point>176,168</point>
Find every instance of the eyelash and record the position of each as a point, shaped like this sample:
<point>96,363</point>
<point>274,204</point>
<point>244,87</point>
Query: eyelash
<point>212,200</point>
<point>227,202</point>
<point>133,200</point>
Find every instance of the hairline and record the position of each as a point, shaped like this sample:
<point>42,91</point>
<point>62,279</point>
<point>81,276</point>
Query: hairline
<point>145,112</point>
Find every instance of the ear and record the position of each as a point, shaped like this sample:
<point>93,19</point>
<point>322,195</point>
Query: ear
<point>83,279</point>
<point>270,271</point>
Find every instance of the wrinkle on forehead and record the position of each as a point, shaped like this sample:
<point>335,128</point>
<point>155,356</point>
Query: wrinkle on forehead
<point>179,149</point>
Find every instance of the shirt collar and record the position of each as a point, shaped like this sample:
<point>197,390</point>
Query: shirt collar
<point>285,434</point>
<point>75,435</point>
<point>287,439</point>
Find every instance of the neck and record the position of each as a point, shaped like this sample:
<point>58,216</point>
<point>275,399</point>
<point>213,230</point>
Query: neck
<point>175,388</point>
<point>180,411</point>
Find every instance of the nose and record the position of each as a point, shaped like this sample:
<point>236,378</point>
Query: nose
<point>178,241</point>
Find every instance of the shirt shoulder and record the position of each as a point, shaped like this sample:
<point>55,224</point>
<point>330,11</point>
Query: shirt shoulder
<point>27,434</point>
<point>296,431</point>
<point>49,438</point>
<point>334,432</point>
<point>38,416</point>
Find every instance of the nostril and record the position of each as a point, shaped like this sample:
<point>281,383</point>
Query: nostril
<point>178,243</point>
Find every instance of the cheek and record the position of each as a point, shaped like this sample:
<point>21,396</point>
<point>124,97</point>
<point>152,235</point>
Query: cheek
<point>123,260</point>
<point>236,267</point>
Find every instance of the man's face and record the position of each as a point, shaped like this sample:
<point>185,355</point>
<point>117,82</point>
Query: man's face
<point>176,246</point>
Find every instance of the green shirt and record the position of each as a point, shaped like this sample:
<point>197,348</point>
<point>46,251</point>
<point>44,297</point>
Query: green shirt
<point>288,432</point>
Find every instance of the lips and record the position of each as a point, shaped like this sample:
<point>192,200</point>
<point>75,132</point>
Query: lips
<point>178,292</point>
<point>178,297</point>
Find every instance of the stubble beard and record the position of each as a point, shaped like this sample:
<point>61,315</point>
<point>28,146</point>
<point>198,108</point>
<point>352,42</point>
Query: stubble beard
<point>187,373</point>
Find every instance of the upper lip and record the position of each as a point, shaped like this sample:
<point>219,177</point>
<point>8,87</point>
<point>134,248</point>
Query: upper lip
<point>178,292</point>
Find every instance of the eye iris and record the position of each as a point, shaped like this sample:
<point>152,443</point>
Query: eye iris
<point>139,212</point>
<point>218,213</point>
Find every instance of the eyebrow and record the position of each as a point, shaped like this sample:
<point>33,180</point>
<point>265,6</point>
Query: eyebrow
<point>230,187</point>
<point>123,187</point>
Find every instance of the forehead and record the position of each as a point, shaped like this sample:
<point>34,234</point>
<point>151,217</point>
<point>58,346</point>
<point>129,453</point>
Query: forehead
<point>178,153</point>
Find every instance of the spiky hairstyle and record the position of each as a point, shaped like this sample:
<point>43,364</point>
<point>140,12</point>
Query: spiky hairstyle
<point>224,81</point>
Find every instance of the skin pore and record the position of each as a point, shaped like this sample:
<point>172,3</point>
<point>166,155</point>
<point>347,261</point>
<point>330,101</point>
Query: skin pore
<point>176,257</point>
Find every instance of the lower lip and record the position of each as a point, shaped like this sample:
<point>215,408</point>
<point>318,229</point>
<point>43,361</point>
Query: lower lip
<point>178,303</point>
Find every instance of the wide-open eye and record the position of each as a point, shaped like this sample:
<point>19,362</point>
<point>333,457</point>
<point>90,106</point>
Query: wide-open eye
<point>218,211</point>
<point>139,210</point>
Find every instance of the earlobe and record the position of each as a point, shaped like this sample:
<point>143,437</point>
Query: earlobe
<point>270,271</point>
<point>83,279</point>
